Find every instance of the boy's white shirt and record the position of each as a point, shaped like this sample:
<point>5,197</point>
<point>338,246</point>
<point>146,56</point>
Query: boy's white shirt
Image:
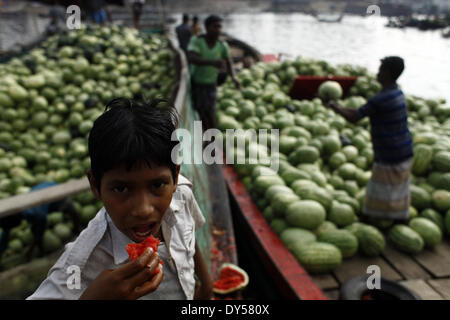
<point>102,246</point>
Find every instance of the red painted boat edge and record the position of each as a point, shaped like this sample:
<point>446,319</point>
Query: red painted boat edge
<point>280,258</point>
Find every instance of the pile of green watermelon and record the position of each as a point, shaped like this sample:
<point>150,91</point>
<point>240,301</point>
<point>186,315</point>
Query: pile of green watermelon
<point>314,200</point>
<point>50,97</point>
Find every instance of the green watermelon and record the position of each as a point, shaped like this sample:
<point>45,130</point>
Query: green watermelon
<point>406,239</point>
<point>277,189</point>
<point>350,152</point>
<point>370,239</point>
<point>433,216</point>
<point>292,174</point>
<point>262,183</point>
<point>420,199</point>
<point>268,214</point>
<point>442,181</point>
<point>441,161</point>
<point>441,200</point>
<point>281,201</point>
<point>306,214</point>
<point>304,154</point>
<point>318,257</point>
<point>343,239</point>
<point>330,90</point>
<point>50,241</point>
<point>292,236</point>
<point>341,214</point>
<point>337,159</point>
<point>278,225</point>
<point>430,232</point>
<point>62,231</point>
<point>318,194</point>
<point>324,227</point>
<point>423,154</point>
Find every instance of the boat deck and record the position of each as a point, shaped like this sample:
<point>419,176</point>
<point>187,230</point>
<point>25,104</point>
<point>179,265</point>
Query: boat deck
<point>427,273</point>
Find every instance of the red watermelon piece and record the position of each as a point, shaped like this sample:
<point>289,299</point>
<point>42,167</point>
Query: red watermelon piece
<point>135,250</point>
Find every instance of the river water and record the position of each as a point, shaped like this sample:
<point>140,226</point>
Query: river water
<point>356,40</point>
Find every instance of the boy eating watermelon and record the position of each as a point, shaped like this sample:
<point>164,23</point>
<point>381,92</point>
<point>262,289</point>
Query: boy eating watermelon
<point>147,203</point>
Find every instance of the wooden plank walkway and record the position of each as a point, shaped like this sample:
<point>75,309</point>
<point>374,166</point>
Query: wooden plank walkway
<point>423,289</point>
<point>357,266</point>
<point>436,261</point>
<point>427,273</point>
<point>404,264</point>
<point>442,286</point>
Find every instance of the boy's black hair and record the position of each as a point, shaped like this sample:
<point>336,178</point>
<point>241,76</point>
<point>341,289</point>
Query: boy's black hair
<point>185,17</point>
<point>129,132</point>
<point>195,19</point>
<point>211,20</point>
<point>394,65</point>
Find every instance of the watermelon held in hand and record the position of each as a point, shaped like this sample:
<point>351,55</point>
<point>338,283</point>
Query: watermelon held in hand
<point>135,250</point>
<point>330,90</point>
<point>231,278</point>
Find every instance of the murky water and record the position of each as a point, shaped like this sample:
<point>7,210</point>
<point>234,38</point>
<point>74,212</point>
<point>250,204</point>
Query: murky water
<point>356,40</point>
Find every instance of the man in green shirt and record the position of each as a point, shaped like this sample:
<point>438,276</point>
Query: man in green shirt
<point>208,56</point>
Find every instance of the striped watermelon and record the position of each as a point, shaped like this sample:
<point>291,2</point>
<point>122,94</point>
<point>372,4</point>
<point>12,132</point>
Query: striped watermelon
<point>343,239</point>
<point>423,154</point>
<point>441,161</point>
<point>430,232</point>
<point>371,240</point>
<point>406,239</point>
<point>318,257</point>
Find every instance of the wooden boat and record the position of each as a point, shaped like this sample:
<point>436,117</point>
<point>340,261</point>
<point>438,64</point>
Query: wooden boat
<point>269,262</point>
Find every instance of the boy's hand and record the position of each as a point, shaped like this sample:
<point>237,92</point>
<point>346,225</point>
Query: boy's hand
<point>129,282</point>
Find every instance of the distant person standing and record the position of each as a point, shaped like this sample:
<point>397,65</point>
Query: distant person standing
<point>57,18</point>
<point>137,6</point>
<point>184,33</point>
<point>208,55</point>
<point>387,193</point>
<point>196,28</point>
<point>96,8</point>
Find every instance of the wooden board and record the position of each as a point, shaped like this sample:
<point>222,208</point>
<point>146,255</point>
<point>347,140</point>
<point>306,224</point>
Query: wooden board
<point>21,202</point>
<point>357,266</point>
<point>436,261</point>
<point>442,286</point>
<point>422,289</point>
<point>325,281</point>
<point>404,264</point>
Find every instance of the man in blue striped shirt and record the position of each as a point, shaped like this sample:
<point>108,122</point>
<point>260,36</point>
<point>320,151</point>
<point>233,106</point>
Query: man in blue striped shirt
<point>387,193</point>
